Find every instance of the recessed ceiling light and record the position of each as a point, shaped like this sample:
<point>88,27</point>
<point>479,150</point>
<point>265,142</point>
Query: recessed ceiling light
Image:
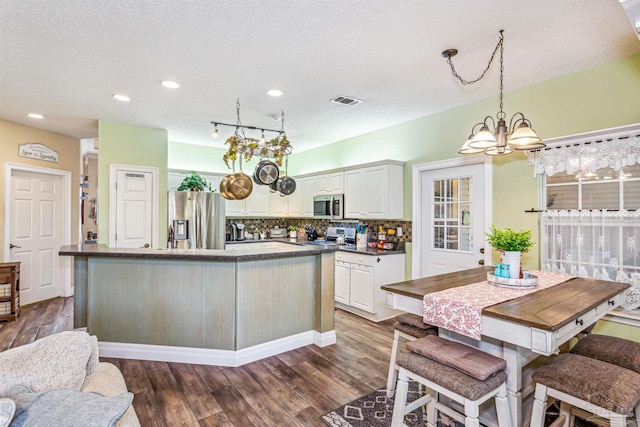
<point>274,92</point>
<point>123,98</point>
<point>35,116</point>
<point>170,84</point>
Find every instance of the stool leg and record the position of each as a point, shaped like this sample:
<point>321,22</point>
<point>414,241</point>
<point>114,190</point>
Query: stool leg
<point>393,372</point>
<point>471,413</point>
<point>569,418</point>
<point>432,410</point>
<point>401,399</point>
<point>618,421</point>
<point>502,407</point>
<point>539,406</point>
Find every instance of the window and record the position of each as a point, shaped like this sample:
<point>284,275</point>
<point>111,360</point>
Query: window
<point>591,226</point>
<point>603,189</point>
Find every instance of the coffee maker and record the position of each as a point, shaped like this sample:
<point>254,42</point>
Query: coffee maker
<point>237,231</point>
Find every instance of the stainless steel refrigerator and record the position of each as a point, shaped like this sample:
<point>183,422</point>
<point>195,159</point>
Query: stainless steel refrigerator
<point>196,220</point>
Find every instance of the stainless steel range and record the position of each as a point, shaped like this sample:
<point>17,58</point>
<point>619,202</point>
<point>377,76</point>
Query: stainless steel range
<point>341,235</point>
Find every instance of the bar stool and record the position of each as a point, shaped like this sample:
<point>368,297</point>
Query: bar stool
<point>459,372</point>
<point>603,389</point>
<point>408,327</point>
<point>614,350</point>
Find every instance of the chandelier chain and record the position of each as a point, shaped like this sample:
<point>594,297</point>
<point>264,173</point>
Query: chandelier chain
<point>470,82</point>
<point>501,114</point>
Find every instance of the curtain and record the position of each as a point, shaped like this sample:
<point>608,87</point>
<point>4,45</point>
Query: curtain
<point>587,155</point>
<point>594,243</point>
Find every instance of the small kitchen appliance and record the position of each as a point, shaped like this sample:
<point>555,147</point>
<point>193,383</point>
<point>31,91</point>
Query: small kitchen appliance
<point>237,231</point>
<point>328,206</point>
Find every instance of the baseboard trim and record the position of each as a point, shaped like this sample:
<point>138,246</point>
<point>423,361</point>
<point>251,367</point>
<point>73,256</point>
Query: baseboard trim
<point>205,356</point>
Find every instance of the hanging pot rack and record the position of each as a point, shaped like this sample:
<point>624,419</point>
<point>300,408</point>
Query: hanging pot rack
<point>242,147</point>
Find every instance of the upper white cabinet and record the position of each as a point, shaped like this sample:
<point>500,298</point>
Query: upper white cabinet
<point>374,192</point>
<point>278,205</point>
<point>295,200</point>
<point>330,183</point>
<point>309,189</point>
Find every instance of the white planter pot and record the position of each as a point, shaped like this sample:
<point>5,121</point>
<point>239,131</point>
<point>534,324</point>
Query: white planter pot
<point>512,258</point>
<point>293,234</point>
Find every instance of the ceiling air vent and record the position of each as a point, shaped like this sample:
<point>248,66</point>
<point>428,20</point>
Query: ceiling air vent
<point>344,100</point>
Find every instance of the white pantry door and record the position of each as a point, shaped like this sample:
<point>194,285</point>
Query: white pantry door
<point>452,223</point>
<point>36,215</point>
<point>134,209</point>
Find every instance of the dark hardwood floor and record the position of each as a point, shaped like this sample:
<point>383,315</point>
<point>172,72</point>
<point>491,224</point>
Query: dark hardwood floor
<point>290,389</point>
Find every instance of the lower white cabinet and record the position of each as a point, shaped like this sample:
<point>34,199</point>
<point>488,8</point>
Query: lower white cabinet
<point>358,278</point>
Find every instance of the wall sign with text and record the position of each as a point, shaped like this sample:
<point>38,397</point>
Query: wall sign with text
<point>34,150</point>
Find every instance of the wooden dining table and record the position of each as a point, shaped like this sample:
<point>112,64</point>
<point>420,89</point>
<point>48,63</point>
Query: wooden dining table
<point>519,330</point>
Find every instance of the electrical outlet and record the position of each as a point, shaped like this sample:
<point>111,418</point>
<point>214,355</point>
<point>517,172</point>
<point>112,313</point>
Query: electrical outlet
<point>399,231</point>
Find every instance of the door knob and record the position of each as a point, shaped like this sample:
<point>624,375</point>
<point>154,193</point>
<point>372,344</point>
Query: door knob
<point>146,245</point>
<point>481,250</point>
<point>481,262</point>
<point>11,246</point>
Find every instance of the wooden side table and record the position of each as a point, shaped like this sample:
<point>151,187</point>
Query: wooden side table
<point>9,290</point>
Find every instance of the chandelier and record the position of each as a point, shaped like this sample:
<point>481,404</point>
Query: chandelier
<point>493,136</point>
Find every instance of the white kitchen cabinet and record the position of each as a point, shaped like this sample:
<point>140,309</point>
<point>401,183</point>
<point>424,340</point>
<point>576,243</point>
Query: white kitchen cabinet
<point>374,192</point>
<point>295,200</point>
<point>330,183</point>
<point>358,278</point>
<point>174,179</point>
<point>342,282</point>
<point>362,290</point>
<point>353,196</point>
<point>309,189</point>
<point>257,204</point>
<point>278,205</point>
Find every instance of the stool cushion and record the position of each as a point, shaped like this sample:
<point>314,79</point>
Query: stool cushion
<point>413,320</point>
<point>414,331</point>
<point>599,383</point>
<point>450,378</point>
<point>473,362</point>
<point>618,351</point>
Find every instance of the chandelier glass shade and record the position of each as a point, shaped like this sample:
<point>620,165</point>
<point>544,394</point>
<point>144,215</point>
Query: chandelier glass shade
<point>493,136</point>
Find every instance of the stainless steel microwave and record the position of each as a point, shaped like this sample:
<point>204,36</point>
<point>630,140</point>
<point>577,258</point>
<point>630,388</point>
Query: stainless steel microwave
<point>329,206</point>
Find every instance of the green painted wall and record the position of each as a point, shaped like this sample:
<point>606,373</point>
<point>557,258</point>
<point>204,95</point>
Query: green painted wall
<point>196,157</point>
<point>131,145</point>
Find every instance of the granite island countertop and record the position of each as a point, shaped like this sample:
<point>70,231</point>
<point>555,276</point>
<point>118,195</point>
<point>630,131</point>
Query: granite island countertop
<point>345,248</point>
<point>249,254</point>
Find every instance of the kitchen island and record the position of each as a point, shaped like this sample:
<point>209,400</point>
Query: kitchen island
<point>203,306</point>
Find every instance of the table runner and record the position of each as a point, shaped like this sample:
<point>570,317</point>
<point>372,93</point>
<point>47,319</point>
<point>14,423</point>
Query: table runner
<point>460,309</point>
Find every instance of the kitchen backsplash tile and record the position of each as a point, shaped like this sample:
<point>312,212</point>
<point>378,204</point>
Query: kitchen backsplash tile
<point>320,225</point>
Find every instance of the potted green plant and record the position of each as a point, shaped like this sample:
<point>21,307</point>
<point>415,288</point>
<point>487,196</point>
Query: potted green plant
<point>511,244</point>
<point>194,182</point>
<point>293,231</point>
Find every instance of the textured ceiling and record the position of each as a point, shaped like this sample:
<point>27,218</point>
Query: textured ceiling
<point>65,59</point>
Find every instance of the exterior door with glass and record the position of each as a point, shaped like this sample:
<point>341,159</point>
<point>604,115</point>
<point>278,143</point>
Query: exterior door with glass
<point>452,219</point>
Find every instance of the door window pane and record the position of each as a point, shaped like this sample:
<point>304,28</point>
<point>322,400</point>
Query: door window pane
<point>452,226</point>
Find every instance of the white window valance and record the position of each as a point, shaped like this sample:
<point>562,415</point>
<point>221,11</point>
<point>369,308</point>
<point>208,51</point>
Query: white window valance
<point>589,152</point>
<point>594,243</point>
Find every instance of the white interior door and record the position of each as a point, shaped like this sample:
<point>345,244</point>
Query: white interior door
<point>452,219</point>
<point>134,209</point>
<point>36,233</point>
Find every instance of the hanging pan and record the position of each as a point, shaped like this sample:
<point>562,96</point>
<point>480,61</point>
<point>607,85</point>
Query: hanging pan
<point>266,172</point>
<point>285,184</point>
<point>240,185</point>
